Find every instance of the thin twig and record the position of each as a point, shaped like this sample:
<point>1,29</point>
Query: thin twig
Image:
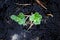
<point>28,22</point>
<point>23,4</point>
<point>30,26</point>
<point>27,15</point>
<point>40,3</point>
<point>50,15</point>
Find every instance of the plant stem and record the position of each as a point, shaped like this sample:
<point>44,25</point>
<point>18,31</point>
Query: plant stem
<point>30,26</point>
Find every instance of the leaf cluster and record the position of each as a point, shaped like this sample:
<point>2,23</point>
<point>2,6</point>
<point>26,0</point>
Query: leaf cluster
<point>21,20</point>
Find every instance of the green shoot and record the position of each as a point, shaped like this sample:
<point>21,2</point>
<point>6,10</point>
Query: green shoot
<point>36,18</point>
<point>20,19</point>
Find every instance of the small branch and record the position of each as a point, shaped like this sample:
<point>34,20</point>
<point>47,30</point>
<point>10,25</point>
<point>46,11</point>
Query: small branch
<point>28,22</point>
<point>50,15</point>
<point>30,26</point>
<point>27,15</point>
<point>23,4</point>
<point>40,3</point>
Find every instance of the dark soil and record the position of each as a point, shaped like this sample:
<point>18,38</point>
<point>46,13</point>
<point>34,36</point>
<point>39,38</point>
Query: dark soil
<point>45,31</point>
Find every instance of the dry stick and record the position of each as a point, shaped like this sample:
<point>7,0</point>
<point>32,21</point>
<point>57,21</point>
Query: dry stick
<point>30,26</point>
<point>50,15</point>
<point>27,16</point>
<point>23,4</point>
<point>40,3</point>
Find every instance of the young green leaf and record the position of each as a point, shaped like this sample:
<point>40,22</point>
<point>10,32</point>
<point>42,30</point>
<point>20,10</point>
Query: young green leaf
<point>20,19</point>
<point>15,18</point>
<point>21,15</point>
<point>35,18</point>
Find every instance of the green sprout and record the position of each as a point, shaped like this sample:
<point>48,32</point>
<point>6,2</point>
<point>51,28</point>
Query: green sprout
<point>20,19</point>
<point>36,18</point>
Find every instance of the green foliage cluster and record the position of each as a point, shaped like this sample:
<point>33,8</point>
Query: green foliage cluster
<point>36,18</point>
<point>20,19</point>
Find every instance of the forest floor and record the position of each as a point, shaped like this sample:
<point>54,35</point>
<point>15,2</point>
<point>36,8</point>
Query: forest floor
<point>45,31</point>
